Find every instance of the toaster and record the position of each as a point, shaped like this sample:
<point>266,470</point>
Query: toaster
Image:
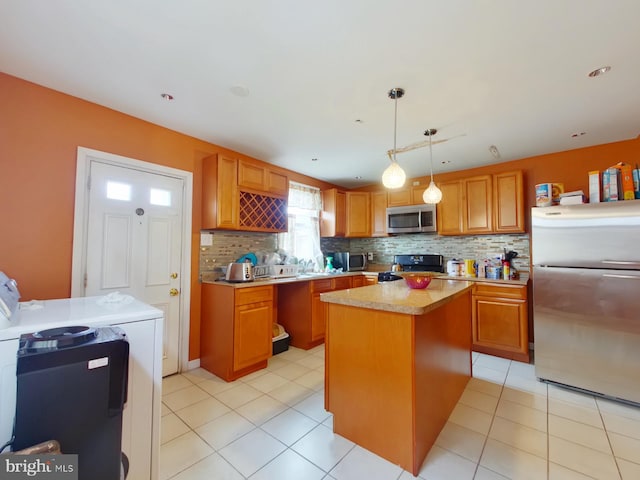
<point>240,272</point>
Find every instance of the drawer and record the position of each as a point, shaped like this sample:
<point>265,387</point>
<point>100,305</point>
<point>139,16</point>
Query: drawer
<point>500,290</point>
<point>341,283</point>
<point>254,294</point>
<point>324,285</point>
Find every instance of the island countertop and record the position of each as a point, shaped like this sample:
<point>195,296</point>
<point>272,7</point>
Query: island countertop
<point>398,297</point>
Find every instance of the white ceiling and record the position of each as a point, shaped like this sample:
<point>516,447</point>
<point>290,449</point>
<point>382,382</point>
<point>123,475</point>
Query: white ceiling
<point>487,72</point>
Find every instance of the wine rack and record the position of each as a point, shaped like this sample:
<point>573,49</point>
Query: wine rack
<point>262,212</point>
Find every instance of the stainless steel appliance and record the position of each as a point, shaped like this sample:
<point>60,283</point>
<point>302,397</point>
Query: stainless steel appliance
<point>349,262</point>
<point>240,272</point>
<point>586,279</point>
<point>412,219</point>
<point>413,263</point>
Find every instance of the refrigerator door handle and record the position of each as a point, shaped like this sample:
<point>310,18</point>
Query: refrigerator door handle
<point>629,277</point>
<point>621,262</point>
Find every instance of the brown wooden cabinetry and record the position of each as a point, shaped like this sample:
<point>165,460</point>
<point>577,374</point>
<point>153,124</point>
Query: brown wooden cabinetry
<point>333,217</point>
<point>239,195</point>
<point>508,202</point>
<point>358,281</point>
<point>301,312</point>
<point>358,214</point>
<point>219,192</point>
<point>261,178</point>
<point>499,320</point>
<point>236,329</point>
<point>399,197</point>
<point>379,214</point>
<point>449,210</point>
<point>477,216</point>
<point>481,205</point>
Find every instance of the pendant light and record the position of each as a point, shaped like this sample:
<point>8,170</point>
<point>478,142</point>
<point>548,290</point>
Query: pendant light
<point>432,194</point>
<point>394,176</point>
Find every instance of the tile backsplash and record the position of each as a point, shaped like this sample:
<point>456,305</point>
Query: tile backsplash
<point>228,246</point>
<point>477,247</point>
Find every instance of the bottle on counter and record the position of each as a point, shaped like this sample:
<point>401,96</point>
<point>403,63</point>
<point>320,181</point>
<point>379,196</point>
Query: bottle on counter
<point>506,267</point>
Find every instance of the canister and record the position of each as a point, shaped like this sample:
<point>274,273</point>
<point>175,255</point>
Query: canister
<point>469,267</point>
<point>544,194</point>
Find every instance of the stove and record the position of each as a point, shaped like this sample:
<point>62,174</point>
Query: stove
<point>414,263</point>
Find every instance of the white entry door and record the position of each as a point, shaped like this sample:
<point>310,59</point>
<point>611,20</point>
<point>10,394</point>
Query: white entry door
<point>134,243</point>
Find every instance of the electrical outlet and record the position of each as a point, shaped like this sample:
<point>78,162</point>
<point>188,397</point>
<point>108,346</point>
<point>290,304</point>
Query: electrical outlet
<point>370,256</point>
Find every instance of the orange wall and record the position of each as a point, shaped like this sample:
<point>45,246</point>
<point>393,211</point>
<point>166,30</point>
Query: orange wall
<point>40,130</point>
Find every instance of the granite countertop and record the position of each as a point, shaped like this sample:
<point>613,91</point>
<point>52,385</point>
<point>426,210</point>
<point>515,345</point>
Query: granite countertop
<point>398,297</point>
<point>305,277</point>
<point>211,278</point>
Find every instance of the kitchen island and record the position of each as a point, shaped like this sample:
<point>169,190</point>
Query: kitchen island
<point>397,361</point>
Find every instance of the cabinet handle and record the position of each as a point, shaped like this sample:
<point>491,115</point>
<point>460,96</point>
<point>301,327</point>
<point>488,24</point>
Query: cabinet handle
<point>173,292</point>
<point>174,275</point>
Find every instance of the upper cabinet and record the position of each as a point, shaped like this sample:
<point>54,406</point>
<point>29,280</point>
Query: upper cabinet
<point>508,201</point>
<point>258,177</point>
<point>482,204</point>
<point>333,218</point>
<point>241,195</point>
<point>358,214</point>
<point>379,214</point>
<point>219,192</point>
<point>406,196</point>
<point>345,214</point>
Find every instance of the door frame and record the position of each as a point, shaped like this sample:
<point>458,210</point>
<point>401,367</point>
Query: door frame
<point>80,226</point>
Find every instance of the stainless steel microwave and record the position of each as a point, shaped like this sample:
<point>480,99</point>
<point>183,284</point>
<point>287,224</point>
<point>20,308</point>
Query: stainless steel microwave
<point>412,219</point>
<point>350,262</point>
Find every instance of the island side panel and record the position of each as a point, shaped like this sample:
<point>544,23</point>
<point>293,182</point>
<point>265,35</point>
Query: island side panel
<point>442,369</point>
<point>369,380</point>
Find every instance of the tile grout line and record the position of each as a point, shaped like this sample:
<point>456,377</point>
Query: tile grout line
<point>493,417</point>
<point>606,432</point>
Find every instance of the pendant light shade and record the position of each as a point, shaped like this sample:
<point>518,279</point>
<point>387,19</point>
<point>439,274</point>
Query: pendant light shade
<point>394,176</point>
<point>432,194</point>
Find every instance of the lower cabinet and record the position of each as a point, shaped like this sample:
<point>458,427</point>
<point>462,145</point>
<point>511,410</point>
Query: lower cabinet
<point>236,329</point>
<point>301,312</point>
<point>499,320</point>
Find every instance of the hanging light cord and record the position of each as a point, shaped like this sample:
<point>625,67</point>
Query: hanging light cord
<point>430,156</point>
<point>395,125</point>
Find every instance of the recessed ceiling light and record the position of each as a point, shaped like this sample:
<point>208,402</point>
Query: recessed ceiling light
<point>444,162</point>
<point>578,134</point>
<point>167,96</point>
<point>359,120</point>
<point>495,152</point>
<point>314,159</point>
<point>358,177</point>
<point>239,91</point>
<point>599,71</point>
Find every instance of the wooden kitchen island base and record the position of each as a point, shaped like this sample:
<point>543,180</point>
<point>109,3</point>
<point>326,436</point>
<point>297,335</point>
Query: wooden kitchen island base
<point>392,379</point>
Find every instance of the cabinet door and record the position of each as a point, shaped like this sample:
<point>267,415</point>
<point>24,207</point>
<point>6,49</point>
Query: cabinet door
<point>508,201</point>
<point>500,324</point>
<point>399,198</point>
<point>277,183</point>
<point>358,214</point>
<point>334,209</point>
<point>251,176</point>
<point>220,192</point>
<point>449,210</point>
<point>378,214</point>
<point>318,317</point>
<point>359,281</point>
<point>252,332</point>
<point>478,206</point>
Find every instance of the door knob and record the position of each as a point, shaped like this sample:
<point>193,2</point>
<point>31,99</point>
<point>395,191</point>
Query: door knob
<point>173,292</point>
<point>174,275</point>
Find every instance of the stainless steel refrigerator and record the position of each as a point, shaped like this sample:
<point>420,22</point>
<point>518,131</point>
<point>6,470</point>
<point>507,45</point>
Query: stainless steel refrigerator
<point>586,297</point>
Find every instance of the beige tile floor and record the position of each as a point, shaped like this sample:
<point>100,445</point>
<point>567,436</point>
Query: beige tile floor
<point>271,425</point>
